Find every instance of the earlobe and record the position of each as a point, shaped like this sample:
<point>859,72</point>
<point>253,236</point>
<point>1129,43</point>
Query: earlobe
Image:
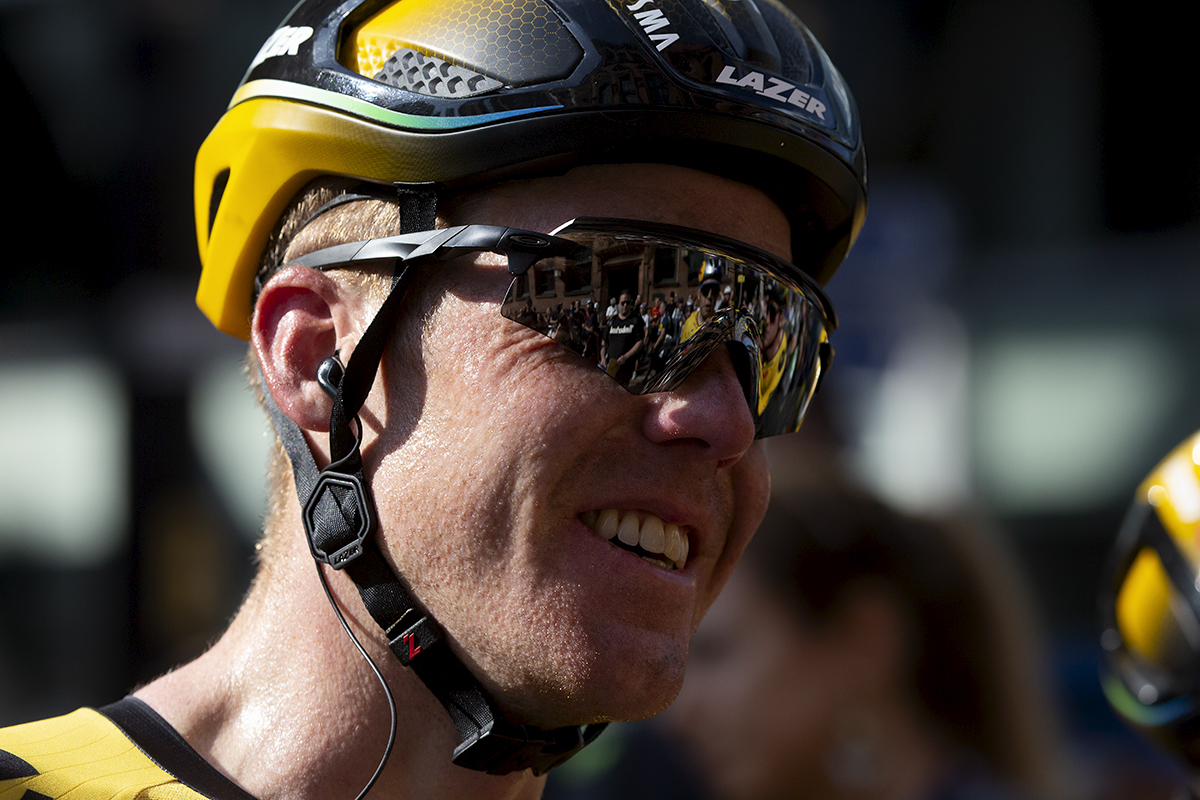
<point>296,326</point>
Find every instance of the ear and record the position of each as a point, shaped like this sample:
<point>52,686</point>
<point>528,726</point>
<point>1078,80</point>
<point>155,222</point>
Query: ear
<point>301,318</point>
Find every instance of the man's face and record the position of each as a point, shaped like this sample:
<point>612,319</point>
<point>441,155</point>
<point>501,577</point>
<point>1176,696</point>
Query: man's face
<point>772,328</point>
<point>497,444</point>
<point>625,306</point>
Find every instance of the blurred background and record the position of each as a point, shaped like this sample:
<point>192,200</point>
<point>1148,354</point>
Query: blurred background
<point>1017,337</point>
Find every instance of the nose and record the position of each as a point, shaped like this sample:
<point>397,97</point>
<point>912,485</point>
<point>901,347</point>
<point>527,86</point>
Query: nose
<point>708,412</point>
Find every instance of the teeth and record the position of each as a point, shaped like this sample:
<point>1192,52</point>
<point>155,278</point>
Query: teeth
<point>673,549</point>
<point>630,530</point>
<point>650,534</point>
<point>653,539</point>
<point>606,523</point>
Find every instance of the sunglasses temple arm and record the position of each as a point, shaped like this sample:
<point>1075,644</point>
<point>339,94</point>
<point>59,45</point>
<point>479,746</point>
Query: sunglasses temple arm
<point>522,248</point>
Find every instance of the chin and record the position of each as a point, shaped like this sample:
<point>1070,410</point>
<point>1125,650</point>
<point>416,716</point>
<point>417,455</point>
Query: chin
<point>611,687</point>
<point>642,688</point>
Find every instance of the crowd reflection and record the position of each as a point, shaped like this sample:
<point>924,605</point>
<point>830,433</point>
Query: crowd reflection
<point>647,312</point>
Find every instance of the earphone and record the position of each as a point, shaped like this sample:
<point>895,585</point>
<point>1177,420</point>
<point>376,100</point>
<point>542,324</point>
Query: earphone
<point>329,374</point>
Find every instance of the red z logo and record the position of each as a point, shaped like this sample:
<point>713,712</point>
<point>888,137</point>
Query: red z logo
<point>413,647</point>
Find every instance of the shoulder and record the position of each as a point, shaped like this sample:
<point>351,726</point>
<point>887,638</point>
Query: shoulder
<point>88,756</point>
<point>82,753</point>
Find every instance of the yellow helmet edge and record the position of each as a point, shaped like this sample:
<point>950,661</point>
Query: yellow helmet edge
<point>1173,489</point>
<point>270,148</point>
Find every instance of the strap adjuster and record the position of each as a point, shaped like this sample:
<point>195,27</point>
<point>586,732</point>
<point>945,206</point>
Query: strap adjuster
<point>338,518</point>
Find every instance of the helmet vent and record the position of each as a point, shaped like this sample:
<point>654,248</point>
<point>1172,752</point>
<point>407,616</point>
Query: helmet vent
<point>218,192</point>
<point>793,40</point>
<point>417,72</point>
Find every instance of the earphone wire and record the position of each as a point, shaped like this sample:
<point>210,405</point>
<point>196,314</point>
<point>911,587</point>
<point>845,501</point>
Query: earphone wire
<point>387,752</point>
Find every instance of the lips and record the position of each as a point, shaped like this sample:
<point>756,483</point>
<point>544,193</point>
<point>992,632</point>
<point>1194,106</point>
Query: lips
<point>664,544</point>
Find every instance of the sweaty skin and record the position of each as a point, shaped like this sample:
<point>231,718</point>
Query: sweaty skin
<point>548,610</point>
<point>487,445</point>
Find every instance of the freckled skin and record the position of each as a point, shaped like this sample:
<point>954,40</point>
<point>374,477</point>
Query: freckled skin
<point>517,436</point>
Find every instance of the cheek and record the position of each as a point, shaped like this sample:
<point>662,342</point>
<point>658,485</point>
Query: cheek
<point>481,467</point>
<point>751,492</point>
<point>489,367</point>
<point>752,486</point>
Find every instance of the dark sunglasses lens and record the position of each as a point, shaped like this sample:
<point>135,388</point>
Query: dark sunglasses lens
<point>777,330</point>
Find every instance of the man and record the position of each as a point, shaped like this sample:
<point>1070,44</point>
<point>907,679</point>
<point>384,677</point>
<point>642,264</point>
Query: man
<point>772,351</point>
<point>625,339</point>
<point>521,543</point>
<point>590,330</point>
<point>710,289</point>
<point>726,298</point>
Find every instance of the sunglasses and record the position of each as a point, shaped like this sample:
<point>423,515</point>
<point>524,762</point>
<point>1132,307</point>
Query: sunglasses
<point>580,256</point>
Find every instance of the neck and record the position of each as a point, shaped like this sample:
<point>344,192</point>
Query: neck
<point>285,706</point>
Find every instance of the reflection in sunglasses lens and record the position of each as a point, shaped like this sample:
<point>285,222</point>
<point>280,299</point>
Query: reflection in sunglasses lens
<point>774,320</point>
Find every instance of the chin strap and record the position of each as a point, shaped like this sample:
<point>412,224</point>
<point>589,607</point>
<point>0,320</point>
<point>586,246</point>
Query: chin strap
<point>339,519</point>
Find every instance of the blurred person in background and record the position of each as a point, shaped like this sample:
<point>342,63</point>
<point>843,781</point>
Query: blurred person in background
<point>862,653</point>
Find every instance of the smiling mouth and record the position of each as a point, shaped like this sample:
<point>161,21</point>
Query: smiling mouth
<point>663,544</point>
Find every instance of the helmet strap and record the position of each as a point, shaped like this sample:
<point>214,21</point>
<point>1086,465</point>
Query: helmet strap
<point>338,513</point>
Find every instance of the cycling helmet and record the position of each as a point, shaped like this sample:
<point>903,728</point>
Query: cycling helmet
<point>1150,604</point>
<point>464,92</point>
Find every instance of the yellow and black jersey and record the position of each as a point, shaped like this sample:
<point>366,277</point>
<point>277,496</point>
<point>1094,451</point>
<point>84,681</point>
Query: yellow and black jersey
<point>771,373</point>
<point>124,750</point>
<point>690,326</point>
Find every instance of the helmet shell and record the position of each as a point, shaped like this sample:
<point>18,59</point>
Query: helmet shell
<point>1152,632</point>
<point>464,92</point>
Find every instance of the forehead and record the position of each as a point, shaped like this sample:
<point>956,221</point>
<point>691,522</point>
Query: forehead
<point>650,192</point>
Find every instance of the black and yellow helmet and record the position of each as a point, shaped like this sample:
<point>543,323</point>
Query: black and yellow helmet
<point>1151,607</point>
<point>461,92</point>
